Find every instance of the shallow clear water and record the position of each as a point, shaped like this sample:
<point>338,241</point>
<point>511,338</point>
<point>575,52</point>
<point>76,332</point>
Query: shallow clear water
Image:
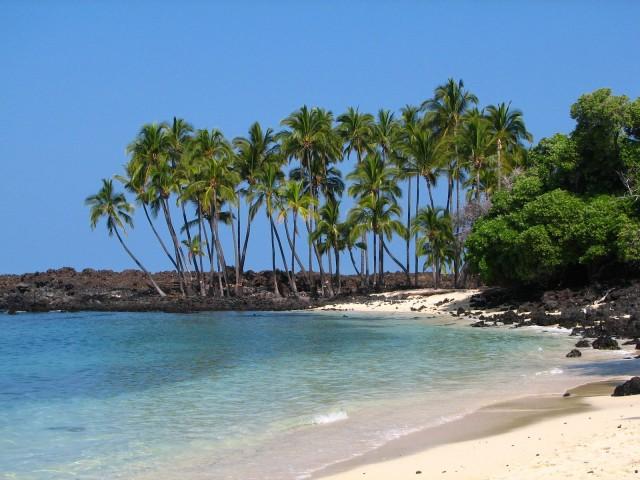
<point>241,395</point>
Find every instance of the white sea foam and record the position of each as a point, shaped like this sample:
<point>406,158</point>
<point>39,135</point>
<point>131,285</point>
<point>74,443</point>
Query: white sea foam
<point>331,417</point>
<point>553,371</point>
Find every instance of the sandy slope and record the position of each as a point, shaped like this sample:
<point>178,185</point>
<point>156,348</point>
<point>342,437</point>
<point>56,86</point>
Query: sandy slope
<point>601,442</point>
<point>427,300</point>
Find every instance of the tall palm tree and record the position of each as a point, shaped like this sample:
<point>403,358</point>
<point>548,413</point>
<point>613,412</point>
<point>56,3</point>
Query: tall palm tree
<point>254,152</point>
<point>410,117</point>
<point>179,133</point>
<point>434,229</point>
<point>150,164</point>
<point>445,112</point>
<point>328,231</point>
<point>309,137</point>
<point>378,215</point>
<point>296,200</point>
<point>476,143</point>
<point>268,189</point>
<point>214,184</point>
<point>509,131</point>
<point>115,209</point>
<point>372,180</point>
<point>356,130</point>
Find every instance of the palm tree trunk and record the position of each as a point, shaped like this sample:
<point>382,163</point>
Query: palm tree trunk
<point>236,255</point>
<point>353,261</point>
<point>292,280</point>
<point>246,241</point>
<point>330,263</point>
<point>375,259</point>
<point>155,285</point>
<point>273,264</point>
<point>431,194</point>
<point>337,253</point>
<point>218,244</point>
<point>176,245</point>
<point>292,245</point>
<point>415,237</point>
<point>200,233</point>
<point>320,267</point>
<point>381,260</point>
<point>395,260</point>
<point>214,253</point>
<point>158,237</point>
<point>408,230</point>
<point>456,236</point>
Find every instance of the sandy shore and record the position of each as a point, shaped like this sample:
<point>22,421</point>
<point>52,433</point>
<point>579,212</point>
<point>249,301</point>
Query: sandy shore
<point>587,435</point>
<point>425,300</point>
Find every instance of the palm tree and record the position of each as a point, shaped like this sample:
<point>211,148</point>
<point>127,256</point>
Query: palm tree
<point>310,138</point>
<point>378,215</point>
<point>294,199</point>
<point>445,111</point>
<point>509,131</point>
<point>356,130</point>
<point>328,231</point>
<point>372,180</point>
<point>117,211</point>
<point>410,117</point>
<point>254,152</point>
<point>179,133</point>
<point>268,188</point>
<point>434,229</point>
<point>213,185</point>
<point>476,143</point>
<point>150,164</point>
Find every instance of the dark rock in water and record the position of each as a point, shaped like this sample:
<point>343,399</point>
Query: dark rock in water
<point>508,317</point>
<point>480,323</point>
<point>584,343</point>
<point>460,310</point>
<point>539,317</point>
<point>638,346</point>
<point>566,394</point>
<point>605,343</point>
<point>574,353</point>
<point>630,387</point>
<point>11,311</point>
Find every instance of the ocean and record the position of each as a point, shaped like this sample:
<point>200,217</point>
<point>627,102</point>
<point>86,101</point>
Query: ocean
<point>245,395</point>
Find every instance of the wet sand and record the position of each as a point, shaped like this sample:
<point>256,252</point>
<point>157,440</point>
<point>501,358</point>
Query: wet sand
<point>587,434</point>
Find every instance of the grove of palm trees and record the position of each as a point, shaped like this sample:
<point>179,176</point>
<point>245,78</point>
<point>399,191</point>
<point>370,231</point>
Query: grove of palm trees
<point>197,187</point>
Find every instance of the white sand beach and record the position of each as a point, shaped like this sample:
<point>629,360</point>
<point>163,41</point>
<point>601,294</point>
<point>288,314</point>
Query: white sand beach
<point>424,300</point>
<point>599,442</point>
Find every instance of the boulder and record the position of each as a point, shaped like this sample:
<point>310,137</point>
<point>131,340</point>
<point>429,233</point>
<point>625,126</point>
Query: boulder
<point>605,343</point>
<point>460,310</point>
<point>584,343</point>
<point>574,353</point>
<point>480,323</point>
<point>630,387</point>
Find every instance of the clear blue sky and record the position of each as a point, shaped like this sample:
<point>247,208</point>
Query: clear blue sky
<point>79,78</point>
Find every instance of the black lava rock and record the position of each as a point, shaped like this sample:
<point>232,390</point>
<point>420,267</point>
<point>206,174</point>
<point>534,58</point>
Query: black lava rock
<point>630,387</point>
<point>605,343</point>
<point>584,343</point>
<point>574,353</point>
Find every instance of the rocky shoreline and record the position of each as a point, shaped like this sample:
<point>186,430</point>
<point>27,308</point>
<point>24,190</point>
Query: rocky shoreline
<point>103,290</point>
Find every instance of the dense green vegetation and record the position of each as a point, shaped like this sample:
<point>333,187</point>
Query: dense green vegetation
<point>572,216</point>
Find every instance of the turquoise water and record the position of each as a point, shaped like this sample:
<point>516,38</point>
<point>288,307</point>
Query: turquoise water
<point>241,395</point>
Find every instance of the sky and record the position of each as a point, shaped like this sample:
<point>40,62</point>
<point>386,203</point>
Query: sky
<point>78,79</point>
